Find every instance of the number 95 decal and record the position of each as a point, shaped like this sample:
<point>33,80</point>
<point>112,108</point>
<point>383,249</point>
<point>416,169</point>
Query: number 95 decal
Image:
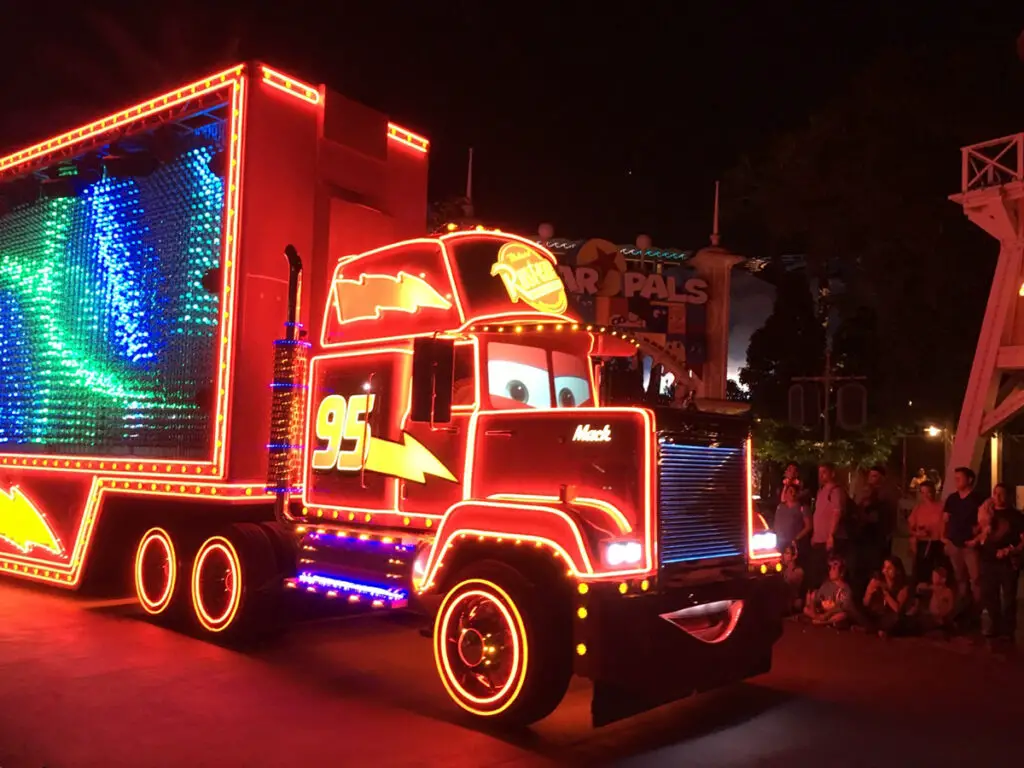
<point>343,424</point>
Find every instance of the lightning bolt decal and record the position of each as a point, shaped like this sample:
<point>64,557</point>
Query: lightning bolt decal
<point>25,526</point>
<point>409,460</point>
<point>372,295</point>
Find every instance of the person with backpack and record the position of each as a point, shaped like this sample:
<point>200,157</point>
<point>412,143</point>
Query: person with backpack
<point>826,532</point>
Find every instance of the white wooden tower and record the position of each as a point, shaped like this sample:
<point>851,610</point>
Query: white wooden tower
<point>992,196</point>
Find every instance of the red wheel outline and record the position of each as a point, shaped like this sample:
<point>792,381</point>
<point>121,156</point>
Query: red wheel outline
<point>227,618</point>
<point>163,539</point>
<point>488,590</point>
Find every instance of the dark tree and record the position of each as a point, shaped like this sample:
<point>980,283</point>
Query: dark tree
<point>791,343</point>
<point>456,211</point>
<point>864,185</point>
<point>734,391</point>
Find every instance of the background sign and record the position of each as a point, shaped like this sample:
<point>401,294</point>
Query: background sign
<point>668,307</point>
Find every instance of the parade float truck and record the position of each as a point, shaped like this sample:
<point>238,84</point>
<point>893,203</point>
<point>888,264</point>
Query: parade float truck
<point>432,441</point>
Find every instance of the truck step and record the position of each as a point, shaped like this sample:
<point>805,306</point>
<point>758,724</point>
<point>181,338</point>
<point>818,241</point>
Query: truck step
<point>355,592</point>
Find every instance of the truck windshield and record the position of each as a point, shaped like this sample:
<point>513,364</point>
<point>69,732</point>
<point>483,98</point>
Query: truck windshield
<point>522,376</point>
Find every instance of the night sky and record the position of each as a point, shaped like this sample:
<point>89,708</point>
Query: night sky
<point>607,120</point>
<point>601,118</point>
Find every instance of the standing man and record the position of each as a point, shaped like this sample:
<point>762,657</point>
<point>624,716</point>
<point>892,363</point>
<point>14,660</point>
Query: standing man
<point>959,519</point>
<point>828,513</point>
<point>876,518</point>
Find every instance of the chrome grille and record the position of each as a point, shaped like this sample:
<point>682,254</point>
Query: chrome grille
<point>702,504</point>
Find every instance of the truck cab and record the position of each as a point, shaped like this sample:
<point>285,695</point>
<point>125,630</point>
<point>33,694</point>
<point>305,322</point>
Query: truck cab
<point>455,455</point>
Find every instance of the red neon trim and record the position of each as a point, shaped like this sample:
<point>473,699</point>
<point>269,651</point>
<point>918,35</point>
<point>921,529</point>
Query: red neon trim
<point>225,547</point>
<point>69,574</point>
<point>143,109</point>
<point>334,299</point>
<point>163,539</point>
<point>408,138</point>
<point>750,509</point>
<point>603,506</point>
<point>649,542</point>
<point>291,86</point>
<point>509,692</point>
<point>308,441</point>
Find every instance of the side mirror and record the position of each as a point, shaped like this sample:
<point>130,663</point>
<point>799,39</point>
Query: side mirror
<point>433,371</point>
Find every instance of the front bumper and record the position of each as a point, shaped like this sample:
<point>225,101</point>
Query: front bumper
<point>645,649</point>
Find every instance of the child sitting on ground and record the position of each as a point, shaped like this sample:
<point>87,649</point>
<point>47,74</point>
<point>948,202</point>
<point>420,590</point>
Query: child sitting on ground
<point>794,576</point>
<point>934,610</point>
<point>831,603</point>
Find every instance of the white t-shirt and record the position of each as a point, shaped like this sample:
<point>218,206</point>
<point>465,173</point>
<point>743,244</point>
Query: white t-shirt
<point>828,507</point>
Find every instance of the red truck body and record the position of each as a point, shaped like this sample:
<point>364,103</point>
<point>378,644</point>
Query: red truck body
<point>437,439</point>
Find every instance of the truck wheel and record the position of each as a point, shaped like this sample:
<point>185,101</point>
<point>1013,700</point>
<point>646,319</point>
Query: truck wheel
<point>235,578</point>
<point>157,572</point>
<point>503,645</point>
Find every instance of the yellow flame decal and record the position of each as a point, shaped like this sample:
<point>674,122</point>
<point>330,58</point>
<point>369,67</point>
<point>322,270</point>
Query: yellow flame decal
<point>409,460</point>
<point>372,295</point>
<point>23,525</point>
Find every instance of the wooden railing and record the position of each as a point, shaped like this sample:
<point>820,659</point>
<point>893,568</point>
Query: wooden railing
<point>992,163</point>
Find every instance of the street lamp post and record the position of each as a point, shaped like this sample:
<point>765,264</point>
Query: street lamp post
<point>947,440</point>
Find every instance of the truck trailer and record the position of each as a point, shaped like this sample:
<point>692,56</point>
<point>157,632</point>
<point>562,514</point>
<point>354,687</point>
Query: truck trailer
<point>233,366</point>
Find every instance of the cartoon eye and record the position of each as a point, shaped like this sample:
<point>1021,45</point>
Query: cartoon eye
<point>572,391</point>
<point>523,385</point>
<point>518,391</point>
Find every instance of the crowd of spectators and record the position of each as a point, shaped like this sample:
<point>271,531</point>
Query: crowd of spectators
<point>964,558</point>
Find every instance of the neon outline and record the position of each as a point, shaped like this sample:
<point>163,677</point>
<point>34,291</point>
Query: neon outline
<point>133,113</point>
<point>234,80</point>
<point>291,86</point>
<point>327,582</point>
<point>156,607</point>
<point>381,309</point>
<point>408,138</point>
<point>226,619</point>
<point>308,438</point>
<point>12,497</point>
<point>69,574</point>
<point>750,509</point>
<point>527,316</point>
<point>608,508</point>
<point>514,621</point>
<point>516,293</point>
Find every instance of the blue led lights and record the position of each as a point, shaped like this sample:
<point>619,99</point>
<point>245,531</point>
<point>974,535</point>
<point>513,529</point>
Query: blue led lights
<point>353,587</point>
<point>108,337</point>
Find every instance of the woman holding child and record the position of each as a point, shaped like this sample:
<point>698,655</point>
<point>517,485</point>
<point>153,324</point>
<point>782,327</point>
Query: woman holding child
<point>999,540</point>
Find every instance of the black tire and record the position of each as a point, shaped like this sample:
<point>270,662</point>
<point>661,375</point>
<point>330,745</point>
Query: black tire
<point>285,543</point>
<point>491,601</point>
<point>244,559</point>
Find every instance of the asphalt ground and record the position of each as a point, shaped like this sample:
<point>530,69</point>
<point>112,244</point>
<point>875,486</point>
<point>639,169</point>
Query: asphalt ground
<point>91,683</point>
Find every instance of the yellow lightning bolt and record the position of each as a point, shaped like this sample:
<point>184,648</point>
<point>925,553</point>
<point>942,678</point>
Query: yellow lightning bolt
<point>371,295</point>
<point>409,460</point>
<point>23,525</point>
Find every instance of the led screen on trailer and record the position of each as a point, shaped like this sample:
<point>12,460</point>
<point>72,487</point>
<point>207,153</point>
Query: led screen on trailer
<point>109,310</point>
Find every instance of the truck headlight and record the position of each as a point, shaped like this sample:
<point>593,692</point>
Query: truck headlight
<point>623,553</point>
<point>765,541</point>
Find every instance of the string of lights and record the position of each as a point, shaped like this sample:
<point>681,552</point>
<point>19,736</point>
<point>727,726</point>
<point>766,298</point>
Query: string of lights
<point>107,333</point>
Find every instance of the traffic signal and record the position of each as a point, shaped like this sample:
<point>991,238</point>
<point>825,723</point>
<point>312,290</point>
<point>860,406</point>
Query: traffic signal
<point>852,406</point>
<point>804,405</point>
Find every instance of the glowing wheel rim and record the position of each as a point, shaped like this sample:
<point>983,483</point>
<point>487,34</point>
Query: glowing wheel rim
<point>216,584</point>
<point>156,571</point>
<point>480,647</point>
